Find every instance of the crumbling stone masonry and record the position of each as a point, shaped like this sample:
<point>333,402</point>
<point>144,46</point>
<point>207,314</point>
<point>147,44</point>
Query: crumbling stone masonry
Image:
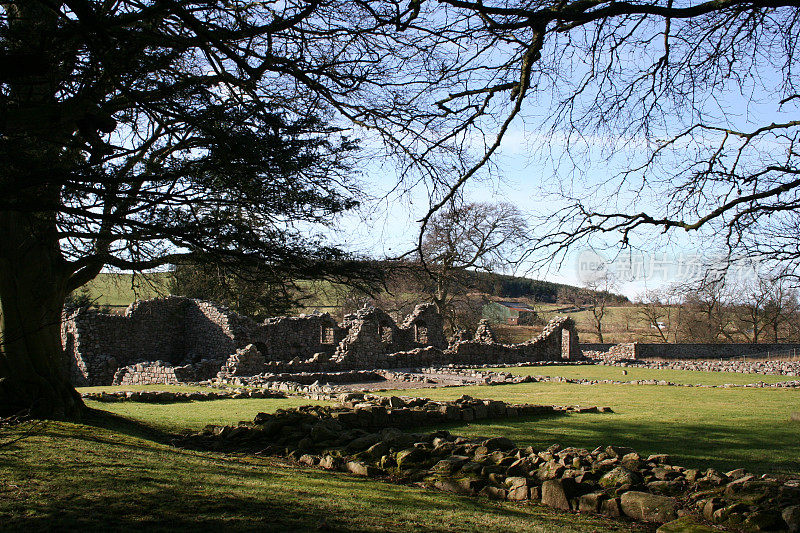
<point>178,339</point>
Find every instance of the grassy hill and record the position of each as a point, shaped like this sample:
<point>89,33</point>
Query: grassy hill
<point>119,290</point>
<point>624,323</point>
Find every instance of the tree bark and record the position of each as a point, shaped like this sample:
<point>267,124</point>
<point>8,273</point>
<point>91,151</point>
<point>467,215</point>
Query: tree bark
<point>33,287</point>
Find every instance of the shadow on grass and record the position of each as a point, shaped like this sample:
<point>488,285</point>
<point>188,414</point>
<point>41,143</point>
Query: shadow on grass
<point>127,426</point>
<point>75,486</point>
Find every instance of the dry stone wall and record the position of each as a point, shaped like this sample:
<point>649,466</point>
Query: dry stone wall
<point>156,372</point>
<point>178,339</point>
<point>684,351</point>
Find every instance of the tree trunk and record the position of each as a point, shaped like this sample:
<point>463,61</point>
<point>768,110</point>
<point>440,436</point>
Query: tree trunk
<point>33,286</point>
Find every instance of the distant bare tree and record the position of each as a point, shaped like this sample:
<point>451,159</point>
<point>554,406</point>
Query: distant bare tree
<point>598,293</point>
<point>749,307</point>
<point>472,236</point>
<point>780,308</point>
<point>655,310</point>
<point>705,313</point>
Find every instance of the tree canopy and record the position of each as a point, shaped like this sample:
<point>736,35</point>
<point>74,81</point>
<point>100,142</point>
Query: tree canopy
<point>136,135</point>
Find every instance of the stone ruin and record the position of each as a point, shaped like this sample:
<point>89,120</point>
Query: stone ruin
<point>177,339</point>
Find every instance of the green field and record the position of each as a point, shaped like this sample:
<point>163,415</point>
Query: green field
<point>107,477</point>
<point>700,427</point>
<point>119,290</point>
<point>724,428</point>
<point>179,417</point>
<point>601,372</point>
<point>117,472</point>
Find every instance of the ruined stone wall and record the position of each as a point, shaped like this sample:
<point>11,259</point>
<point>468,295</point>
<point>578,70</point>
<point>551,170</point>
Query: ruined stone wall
<point>176,338</point>
<point>208,332</point>
<point>247,361</point>
<point>557,341</point>
<point>96,344</point>
<point>425,327</point>
<point>286,338</point>
<point>372,335</point>
<point>153,373</point>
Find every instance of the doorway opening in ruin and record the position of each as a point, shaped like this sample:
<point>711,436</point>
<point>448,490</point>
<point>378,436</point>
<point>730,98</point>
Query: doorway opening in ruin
<point>421,333</point>
<point>261,347</point>
<point>566,342</point>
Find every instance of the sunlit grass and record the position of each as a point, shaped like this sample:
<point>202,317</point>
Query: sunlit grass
<point>724,428</point>
<point>183,416</point>
<point>601,372</point>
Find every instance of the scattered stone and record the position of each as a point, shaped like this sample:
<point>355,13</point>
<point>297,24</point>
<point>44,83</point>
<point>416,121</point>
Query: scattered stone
<point>362,469</point>
<point>620,476</point>
<point>493,493</point>
<point>519,492</point>
<point>410,457</point>
<point>563,478</point>
<point>649,507</point>
<point>791,515</point>
<point>330,462</point>
<point>611,507</point>
<point>499,443</point>
<point>590,503</point>
<point>448,485</point>
<point>554,495</point>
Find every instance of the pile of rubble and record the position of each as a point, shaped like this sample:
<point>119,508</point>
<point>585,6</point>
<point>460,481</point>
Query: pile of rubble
<point>363,437</point>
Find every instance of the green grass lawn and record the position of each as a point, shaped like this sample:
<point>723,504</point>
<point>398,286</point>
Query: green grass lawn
<point>600,372</point>
<point>116,472</point>
<point>702,427</point>
<point>180,417</point>
<point>107,477</point>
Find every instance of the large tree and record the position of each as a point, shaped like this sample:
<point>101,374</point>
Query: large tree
<point>139,134</point>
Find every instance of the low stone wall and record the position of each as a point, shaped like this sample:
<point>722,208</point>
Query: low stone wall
<point>308,378</point>
<point>596,346</point>
<point>156,373</point>
<point>774,367</point>
<point>656,351</point>
<point>362,437</point>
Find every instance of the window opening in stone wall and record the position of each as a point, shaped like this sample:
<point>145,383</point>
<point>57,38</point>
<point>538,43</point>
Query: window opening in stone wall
<point>327,335</point>
<point>386,333</point>
<point>421,333</point>
<point>566,339</point>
